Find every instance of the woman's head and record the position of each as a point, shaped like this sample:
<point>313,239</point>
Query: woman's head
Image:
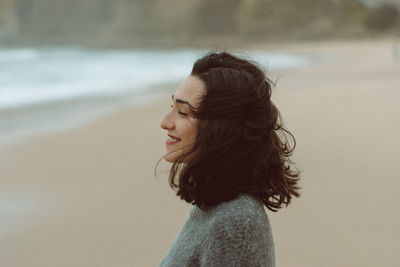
<point>179,121</point>
<point>234,143</point>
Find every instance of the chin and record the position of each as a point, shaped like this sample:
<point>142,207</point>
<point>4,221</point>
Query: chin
<point>171,157</point>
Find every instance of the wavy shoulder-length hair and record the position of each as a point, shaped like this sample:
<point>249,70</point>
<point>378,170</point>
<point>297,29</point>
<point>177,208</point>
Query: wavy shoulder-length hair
<point>241,144</point>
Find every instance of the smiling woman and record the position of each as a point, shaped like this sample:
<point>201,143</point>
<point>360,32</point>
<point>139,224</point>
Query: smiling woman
<point>179,122</point>
<point>230,157</point>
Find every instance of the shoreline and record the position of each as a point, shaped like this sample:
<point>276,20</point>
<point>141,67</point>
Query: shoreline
<point>22,114</point>
<point>89,110</point>
<point>95,200</point>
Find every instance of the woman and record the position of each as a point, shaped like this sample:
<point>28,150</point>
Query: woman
<point>229,162</point>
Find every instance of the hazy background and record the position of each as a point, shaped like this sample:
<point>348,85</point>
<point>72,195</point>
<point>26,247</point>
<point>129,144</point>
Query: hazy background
<point>130,23</point>
<point>84,85</point>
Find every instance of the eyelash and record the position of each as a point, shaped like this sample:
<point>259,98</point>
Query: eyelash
<point>181,113</point>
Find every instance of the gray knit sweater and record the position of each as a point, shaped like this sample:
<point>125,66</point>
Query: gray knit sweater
<point>233,233</point>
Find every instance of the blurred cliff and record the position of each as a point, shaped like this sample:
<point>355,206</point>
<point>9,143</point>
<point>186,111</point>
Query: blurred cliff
<point>127,23</point>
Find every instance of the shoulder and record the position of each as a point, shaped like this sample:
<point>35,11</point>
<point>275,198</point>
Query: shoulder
<point>243,207</point>
<point>240,231</point>
<point>233,218</point>
<point>243,212</point>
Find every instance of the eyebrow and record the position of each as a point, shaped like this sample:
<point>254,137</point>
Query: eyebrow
<point>178,100</point>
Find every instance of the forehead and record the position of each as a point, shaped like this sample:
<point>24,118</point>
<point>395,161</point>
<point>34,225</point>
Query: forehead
<point>190,90</point>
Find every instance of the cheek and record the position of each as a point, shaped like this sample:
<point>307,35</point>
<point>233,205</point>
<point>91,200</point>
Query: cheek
<point>190,133</point>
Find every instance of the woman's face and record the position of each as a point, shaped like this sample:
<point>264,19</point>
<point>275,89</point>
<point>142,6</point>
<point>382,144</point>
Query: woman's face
<point>181,126</point>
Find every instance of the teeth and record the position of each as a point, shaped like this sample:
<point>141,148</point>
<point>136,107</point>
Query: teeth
<point>171,139</point>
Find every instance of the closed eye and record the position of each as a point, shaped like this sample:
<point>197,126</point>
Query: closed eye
<point>181,113</point>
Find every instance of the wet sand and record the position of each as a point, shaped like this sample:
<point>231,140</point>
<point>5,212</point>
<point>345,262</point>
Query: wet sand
<point>88,196</point>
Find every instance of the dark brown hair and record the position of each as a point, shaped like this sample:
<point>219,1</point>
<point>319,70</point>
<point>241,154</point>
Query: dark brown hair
<point>241,144</point>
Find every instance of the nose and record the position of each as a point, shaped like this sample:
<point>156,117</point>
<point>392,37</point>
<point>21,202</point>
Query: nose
<point>167,123</point>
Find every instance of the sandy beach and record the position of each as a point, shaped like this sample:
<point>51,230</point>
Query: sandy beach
<point>88,196</point>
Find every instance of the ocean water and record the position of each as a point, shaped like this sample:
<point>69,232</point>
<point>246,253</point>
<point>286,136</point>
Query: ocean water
<point>49,89</point>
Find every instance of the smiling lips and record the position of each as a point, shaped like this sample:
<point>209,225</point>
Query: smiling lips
<point>172,140</point>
